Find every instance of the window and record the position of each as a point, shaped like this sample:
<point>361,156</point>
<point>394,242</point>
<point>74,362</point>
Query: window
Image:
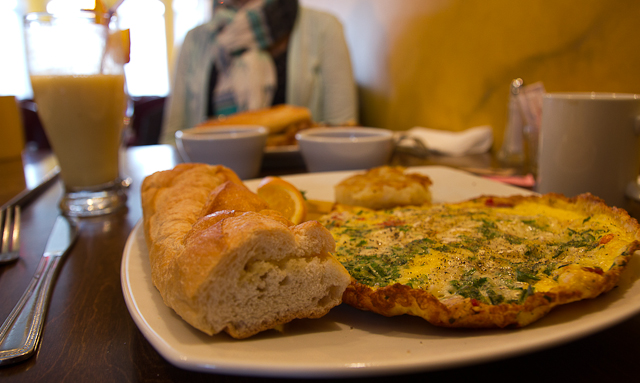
<point>147,73</point>
<point>14,80</point>
<point>188,14</point>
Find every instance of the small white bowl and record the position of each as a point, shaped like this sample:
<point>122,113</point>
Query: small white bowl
<point>238,147</point>
<point>350,148</point>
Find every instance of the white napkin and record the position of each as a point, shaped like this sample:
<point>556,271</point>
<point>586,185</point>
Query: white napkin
<point>471,141</point>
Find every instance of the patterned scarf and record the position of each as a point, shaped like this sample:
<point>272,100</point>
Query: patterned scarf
<point>246,74</point>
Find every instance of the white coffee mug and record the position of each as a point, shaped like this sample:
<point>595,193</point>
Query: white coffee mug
<point>590,142</point>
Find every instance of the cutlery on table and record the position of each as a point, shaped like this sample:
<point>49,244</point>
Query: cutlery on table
<point>28,195</point>
<point>21,332</point>
<point>10,240</point>
<point>10,217</point>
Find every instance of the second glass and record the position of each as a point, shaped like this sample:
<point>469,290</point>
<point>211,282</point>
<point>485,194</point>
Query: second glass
<point>76,69</point>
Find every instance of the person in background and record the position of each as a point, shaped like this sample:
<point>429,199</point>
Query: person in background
<point>258,53</point>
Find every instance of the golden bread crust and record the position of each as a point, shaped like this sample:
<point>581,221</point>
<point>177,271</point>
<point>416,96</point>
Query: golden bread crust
<point>569,280</point>
<point>171,204</point>
<point>384,187</point>
<point>224,262</point>
<point>282,121</point>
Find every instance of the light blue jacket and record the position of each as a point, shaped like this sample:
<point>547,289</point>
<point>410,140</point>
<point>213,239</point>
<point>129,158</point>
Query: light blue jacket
<point>319,74</point>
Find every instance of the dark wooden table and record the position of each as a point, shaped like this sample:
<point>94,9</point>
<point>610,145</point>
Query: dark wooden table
<point>90,337</point>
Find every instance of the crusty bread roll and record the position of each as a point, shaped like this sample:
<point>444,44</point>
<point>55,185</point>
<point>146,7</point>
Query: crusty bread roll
<point>384,187</point>
<point>282,121</point>
<point>224,262</point>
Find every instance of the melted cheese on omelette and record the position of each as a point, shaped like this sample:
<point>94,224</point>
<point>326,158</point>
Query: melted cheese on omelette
<point>493,254</point>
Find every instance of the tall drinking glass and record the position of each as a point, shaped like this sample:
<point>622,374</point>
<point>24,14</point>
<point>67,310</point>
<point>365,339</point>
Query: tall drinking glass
<point>76,69</point>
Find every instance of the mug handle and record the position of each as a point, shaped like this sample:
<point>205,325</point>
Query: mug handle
<point>633,188</point>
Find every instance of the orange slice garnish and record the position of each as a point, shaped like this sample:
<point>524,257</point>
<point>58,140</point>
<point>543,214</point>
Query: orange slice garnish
<point>283,197</point>
<point>100,9</point>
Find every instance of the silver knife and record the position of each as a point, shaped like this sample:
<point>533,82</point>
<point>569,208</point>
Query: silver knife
<point>21,332</point>
<point>28,195</point>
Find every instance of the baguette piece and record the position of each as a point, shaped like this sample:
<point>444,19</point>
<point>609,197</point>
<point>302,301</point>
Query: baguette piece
<point>224,262</point>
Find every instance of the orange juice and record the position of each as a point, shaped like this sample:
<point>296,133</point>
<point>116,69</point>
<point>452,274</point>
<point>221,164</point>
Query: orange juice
<point>83,117</point>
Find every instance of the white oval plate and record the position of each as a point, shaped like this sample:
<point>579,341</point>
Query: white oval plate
<point>348,342</point>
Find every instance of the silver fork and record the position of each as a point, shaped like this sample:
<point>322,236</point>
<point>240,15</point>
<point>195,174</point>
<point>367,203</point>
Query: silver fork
<point>10,249</point>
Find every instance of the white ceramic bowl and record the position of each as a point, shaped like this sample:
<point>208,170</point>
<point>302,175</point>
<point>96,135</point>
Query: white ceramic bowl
<point>350,148</point>
<point>238,147</point>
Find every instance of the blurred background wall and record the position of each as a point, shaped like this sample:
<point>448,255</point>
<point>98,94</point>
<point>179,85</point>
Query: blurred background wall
<point>448,64</point>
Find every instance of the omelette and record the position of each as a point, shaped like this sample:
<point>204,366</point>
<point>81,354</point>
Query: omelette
<point>487,262</point>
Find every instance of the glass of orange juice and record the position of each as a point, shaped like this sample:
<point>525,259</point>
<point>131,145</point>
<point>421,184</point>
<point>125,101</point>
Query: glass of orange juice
<point>76,69</point>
